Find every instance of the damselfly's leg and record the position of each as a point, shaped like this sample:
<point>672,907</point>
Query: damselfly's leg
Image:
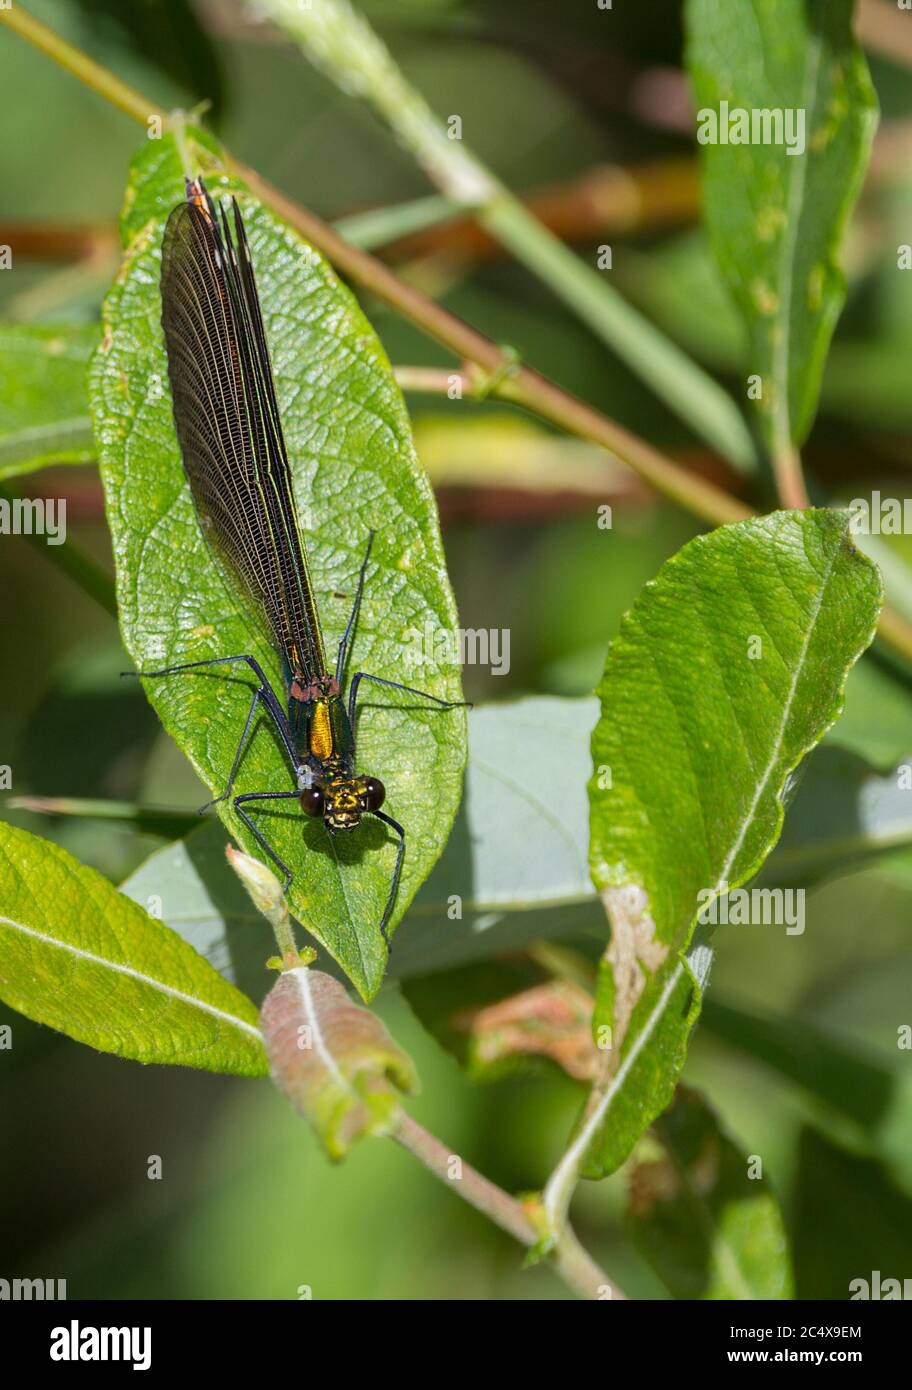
<point>343,645</point>
<point>265,693</point>
<point>210,661</point>
<point>394,685</point>
<point>260,838</point>
<point>388,820</point>
<point>257,697</point>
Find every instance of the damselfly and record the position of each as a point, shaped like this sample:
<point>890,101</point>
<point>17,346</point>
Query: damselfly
<point>230,434</point>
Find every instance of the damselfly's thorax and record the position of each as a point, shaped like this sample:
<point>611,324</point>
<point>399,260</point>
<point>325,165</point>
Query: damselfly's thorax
<point>320,724</point>
<point>307,689</point>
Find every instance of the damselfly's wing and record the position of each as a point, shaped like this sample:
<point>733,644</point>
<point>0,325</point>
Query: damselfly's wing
<point>228,424</point>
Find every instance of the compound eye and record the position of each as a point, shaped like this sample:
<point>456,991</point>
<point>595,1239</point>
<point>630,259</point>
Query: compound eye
<point>312,801</point>
<point>374,793</point>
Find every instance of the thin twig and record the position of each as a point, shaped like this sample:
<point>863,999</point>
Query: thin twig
<point>883,29</point>
<point>432,381</point>
<point>574,1265</point>
<point>789,475</point>
<point>90,73</point>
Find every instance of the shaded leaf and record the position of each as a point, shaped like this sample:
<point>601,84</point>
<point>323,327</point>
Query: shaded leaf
<point>193,887</point>
<point>776,218</point>
<point>354,467</point>
<point>552,1021</point>
<point>519,842</point>
<point>703,1216</point>
<point>701,729</point>
<point>168,34</point>
<point>865,1103</point>
<point>869,1243</point>
<point>877,721</point>
<point>44,409</point>
<point>843,816</point>
<point>334,1059</point>
<point>80,957</point>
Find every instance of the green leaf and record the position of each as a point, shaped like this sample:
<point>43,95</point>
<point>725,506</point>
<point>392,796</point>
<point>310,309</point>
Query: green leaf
<point>863,1102</point>
<point>707,1222</point>
<point>334,1059</point>
<point>82,958</point>
<point>700,730</point>
<point>44,413</point>
<point>776,218</point>
<point>354,466</point>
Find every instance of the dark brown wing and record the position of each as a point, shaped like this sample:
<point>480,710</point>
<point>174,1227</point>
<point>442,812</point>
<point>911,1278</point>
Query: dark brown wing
<point>228,424</point>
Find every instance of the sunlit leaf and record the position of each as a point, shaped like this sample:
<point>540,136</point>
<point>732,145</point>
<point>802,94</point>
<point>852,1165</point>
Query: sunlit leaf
<point>354,466</point>
<point>78,956</point>
<point>726,672</point>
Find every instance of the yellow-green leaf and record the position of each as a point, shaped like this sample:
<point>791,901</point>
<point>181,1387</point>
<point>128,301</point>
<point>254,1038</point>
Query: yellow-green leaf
<point>82,958</point>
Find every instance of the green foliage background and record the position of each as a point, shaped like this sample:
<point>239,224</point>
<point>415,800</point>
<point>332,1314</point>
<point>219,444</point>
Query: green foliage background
<point>248,1205</point>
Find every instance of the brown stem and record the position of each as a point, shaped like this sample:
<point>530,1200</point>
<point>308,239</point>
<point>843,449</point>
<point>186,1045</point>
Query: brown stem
<point>433,381</point>
<point>789,476</point>
<point>883,29</point>
<point>574,1265</point>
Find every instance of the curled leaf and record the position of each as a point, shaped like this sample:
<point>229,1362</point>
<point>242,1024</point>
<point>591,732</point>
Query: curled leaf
<point>333,1058</point>
<point>552,1021</point>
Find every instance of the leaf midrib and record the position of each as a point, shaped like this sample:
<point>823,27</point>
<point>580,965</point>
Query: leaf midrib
<point>134,974</point>
<point>783,726</point>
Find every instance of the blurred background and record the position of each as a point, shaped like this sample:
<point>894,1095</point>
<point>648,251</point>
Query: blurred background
<point>591,121</point>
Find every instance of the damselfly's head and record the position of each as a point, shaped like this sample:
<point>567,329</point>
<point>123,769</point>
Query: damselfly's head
<point>342,801</point>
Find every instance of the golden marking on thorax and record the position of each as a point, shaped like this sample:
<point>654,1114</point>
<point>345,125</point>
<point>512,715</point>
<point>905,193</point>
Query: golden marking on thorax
<point>321,734</point>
